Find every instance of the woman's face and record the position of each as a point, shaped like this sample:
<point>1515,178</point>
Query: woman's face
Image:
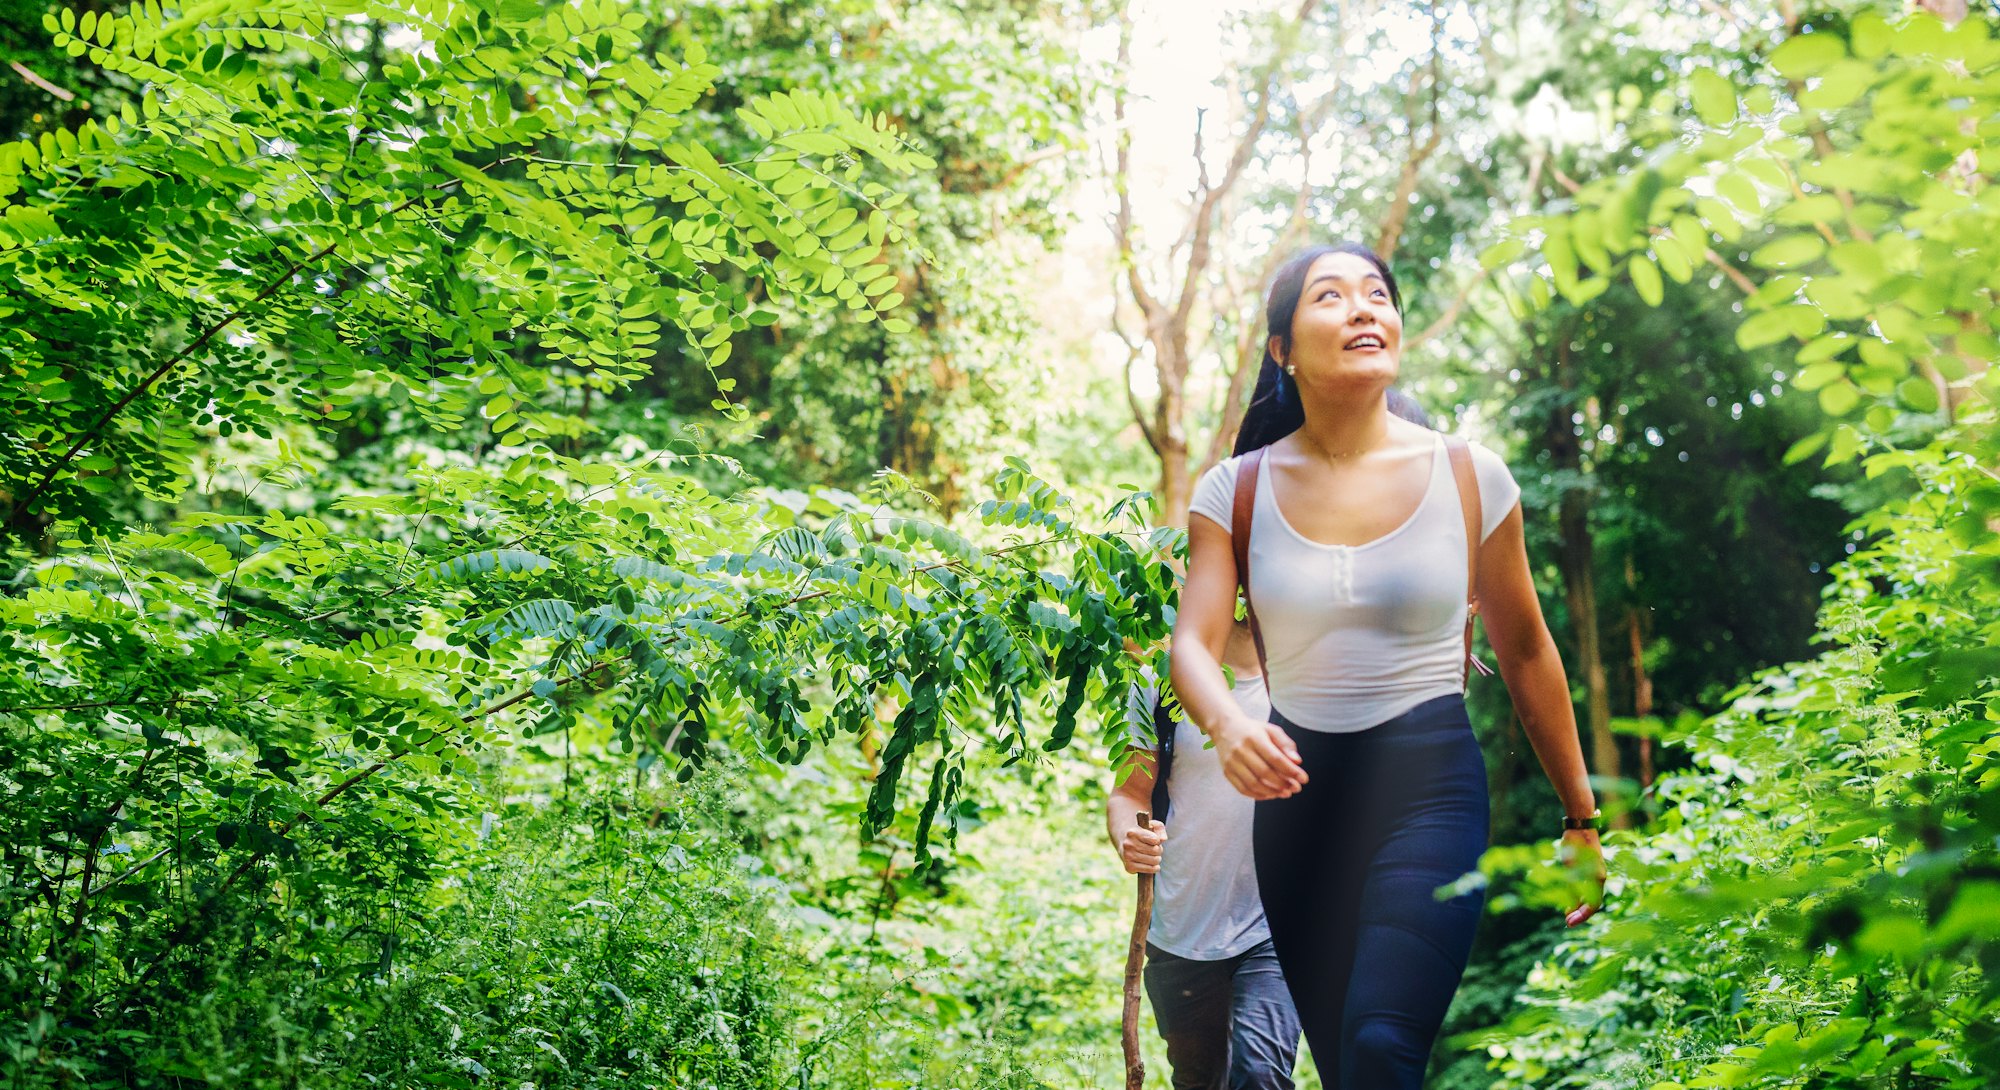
<point>1346,334</point>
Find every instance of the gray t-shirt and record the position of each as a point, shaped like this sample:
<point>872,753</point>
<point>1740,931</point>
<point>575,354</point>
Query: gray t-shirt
<point>1205,901</point>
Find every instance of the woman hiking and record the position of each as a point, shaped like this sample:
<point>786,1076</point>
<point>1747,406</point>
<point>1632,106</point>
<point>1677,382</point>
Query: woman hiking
<point>1363,542</point>
<point>1218,996</point>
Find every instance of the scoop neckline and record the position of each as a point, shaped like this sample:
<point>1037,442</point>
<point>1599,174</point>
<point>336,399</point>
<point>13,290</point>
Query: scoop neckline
<point>1268,487</point>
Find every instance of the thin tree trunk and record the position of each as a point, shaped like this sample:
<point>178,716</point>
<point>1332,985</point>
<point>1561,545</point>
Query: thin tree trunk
<point>1576,557</point>
<point>1176,490</point>
<point>1579,555</point>
<point>1642,682</point>
<point>1167,315</point>
<point>1504,772</point>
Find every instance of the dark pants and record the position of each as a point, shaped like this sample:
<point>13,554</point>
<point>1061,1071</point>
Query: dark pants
<point>1349,868</point>
<point>1228,1024</point>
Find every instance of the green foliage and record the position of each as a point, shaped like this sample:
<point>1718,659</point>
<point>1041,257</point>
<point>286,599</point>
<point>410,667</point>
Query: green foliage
<point>251,690</point>
<point>236,705</point>
<point>1816,900</point>
<point>508,209</point>
<point>594,946</point>
<point>1852,171</point>
<point>998,970</point>
<point>1815,903</point>
<point>998,93</point>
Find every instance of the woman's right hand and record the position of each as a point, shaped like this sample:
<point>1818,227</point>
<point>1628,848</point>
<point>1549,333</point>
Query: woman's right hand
<point>1259,758</point>
<point>1141,848</point>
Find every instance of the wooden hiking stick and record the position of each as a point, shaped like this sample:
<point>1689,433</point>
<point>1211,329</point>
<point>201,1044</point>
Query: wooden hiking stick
<point>1135,960</point>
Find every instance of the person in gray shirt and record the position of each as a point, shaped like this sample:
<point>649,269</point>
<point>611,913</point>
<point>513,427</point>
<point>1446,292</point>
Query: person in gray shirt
<point>1217,993</point>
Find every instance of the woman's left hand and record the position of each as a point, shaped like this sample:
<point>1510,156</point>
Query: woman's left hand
<point>1583,854</point>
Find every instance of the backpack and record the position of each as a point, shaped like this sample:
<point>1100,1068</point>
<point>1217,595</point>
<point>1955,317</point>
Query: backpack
<point>1164,729</point>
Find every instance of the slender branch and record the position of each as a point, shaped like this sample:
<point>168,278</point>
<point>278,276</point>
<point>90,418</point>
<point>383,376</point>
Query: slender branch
<point>1714,8</point>
<point>90,854</point>
<point>49,475</point>
<point>1420,152</point>
<point>1246,146</point>
<point>1133,349</point>
<point>1735,275</point>
<point>94,430</point>
<point>1138,411</point>
<point>1250,333</point>
<point>132,870</point>
<point>1450,316</point>
<point>1121,176</point>
<point>25,73</point>
<point>1028,162</point>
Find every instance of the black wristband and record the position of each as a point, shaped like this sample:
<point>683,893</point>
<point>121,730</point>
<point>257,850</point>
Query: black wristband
<point>1594,822</point>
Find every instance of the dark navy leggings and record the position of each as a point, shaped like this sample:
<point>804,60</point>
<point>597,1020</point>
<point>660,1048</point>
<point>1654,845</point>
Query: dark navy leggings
<point>1349,868</point>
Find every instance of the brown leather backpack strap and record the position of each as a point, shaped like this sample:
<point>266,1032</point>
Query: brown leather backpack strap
<point>1242,514</point>
<point>1468,503</point>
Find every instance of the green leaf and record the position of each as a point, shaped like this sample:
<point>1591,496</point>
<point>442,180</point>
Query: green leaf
<point>1806,54</point>
<point>1586,290</point>
<point>1504,252</point>
<point>1805,448</point>
<point>1714,97</point>
<point>1692,236</point>
<point>1826,347</point>
<point>1819,374</point>
<point>1645,279</point>
<point>1839,398</point>
<point>1766,328</point>
<point>1720,218</point>
<point>1840,85</point>
<point>1739,190</point>
<point>1789,252</point>
<point>1918,394</point>
<point>1673,259</point>
<point>1562,260</point>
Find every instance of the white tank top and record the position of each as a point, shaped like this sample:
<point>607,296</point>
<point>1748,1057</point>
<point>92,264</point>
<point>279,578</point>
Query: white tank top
<point>1356,635</point>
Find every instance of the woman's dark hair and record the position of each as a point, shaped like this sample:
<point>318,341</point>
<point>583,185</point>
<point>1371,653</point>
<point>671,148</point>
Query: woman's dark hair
<point>1405,406</point>
<point>1274,410</point>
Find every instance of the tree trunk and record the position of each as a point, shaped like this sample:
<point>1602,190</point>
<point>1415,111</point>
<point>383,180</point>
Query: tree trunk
<point>1176,489</point>
<point>1503,772</point>
<point>1642,683</point>
<point>1576,557</point>
<point>1169,313</point>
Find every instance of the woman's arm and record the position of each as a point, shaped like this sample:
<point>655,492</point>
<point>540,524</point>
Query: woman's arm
<point>1138,848</point>
<point>1258,759</point>
<point>1533,671</point>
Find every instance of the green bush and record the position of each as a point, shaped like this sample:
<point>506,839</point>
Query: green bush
<point>574,947</point>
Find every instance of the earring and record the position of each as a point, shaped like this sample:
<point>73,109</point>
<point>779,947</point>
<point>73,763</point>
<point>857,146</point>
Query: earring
<point>1292,369</point>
